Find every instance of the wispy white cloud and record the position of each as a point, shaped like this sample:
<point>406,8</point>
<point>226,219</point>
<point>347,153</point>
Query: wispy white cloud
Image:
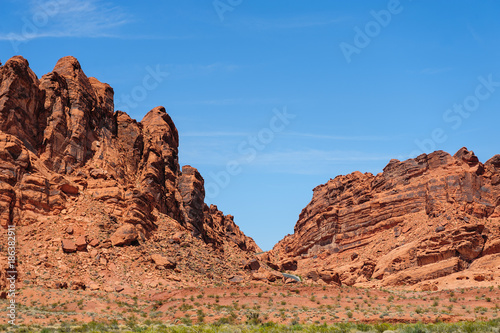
<point>435,70</point>
<point>429,70</point>
<point>187,70</point>
<point>312,161</point>
<point>70,18</point>
<point>219,66</point>
<point>319,162</point>
<point>222,101</point>
<point>314,20</point>
<point>299,161</point>
<point>474,34</point>
<point>214,134</point>
<point>233,101</point>
<point>341,137</point>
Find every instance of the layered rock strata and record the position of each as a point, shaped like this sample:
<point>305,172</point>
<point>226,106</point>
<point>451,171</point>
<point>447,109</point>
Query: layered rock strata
<point>418,220</point>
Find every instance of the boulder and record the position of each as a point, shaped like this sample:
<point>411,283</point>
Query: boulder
<point>289,265</point>
<point>81,243</point>
<point>259,277</point>
<point>69,188</point>
<point>69,246</point>
<point>273,276</point>
<point>124,235</point>
<point>78,285</point>
<point>252,264</point>
<point>163,262</point>
<point>236,279</point>
<point>93,286</point>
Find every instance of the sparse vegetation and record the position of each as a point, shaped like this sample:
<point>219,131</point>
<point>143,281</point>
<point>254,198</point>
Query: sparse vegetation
<point>309,307</point>
<point>255,324</point>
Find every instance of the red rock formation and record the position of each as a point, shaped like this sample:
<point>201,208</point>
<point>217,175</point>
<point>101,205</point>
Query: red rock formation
<point>436,213</point>
<point>61,143</point>
<point>192,190</point>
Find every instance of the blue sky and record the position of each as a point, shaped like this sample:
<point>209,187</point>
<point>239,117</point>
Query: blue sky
<point>365,81</point>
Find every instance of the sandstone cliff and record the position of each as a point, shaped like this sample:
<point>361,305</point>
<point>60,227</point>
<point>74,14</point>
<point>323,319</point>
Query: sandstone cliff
<point>77,176</point>
<point>434,216</point>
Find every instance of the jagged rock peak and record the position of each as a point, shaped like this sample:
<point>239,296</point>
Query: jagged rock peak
<point>64,141</point>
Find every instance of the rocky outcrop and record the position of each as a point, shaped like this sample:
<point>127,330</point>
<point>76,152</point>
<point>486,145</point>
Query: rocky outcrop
<point>21,102</point>
<point>62,143</point>
<point>415,214</point>
<point>192,190</point>
<point>218,224</point>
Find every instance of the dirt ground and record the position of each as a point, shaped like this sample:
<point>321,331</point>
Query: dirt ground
<point>259,303</point>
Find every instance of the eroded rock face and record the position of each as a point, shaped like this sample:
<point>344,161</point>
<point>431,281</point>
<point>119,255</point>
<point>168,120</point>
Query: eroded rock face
<point>208,222</point>
<point>21,102</point>
<point>79,114</point>
<point>192,190</point>
<point>217,225</point>
<point>415,214</point>
<point>61,142</point>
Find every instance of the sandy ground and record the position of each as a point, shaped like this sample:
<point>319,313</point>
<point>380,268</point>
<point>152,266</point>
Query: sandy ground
<point>289,303</point>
